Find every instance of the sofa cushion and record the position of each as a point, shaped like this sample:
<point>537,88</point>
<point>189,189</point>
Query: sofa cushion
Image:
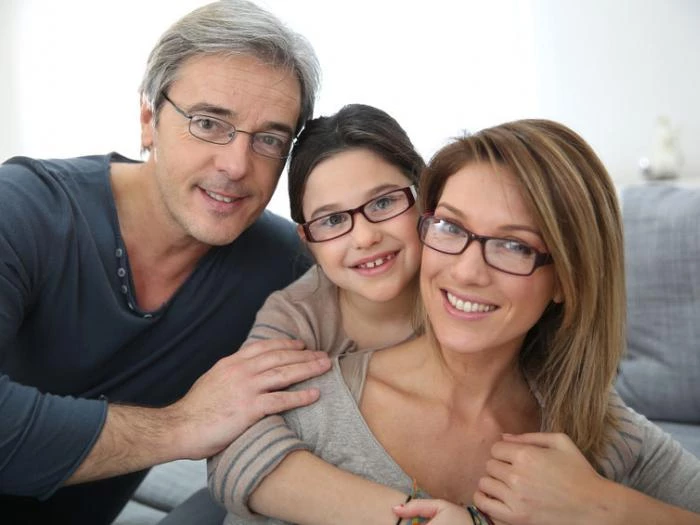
<point>659,374</point>
<point>164,488</point>
<point>686,435</point>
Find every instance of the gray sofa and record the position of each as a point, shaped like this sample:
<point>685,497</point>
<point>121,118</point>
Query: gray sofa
<point>660,375</point>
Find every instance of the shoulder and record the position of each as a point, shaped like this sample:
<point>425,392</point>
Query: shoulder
<point>271,231</point>
<point>48,183</point>
<point>313,289</point>
<point>43,199</point>
<point>329,384</point>
<point>272,242</point>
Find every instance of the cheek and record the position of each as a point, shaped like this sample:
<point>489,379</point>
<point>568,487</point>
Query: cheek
<point>429,268</point>
<point>532,298</point>
<point>328,255</point>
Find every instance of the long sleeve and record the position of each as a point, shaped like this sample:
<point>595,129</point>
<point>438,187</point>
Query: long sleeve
<point>43,437</point>
<point>642,456</point>
<point>306,310</point>
<point>665,470</point>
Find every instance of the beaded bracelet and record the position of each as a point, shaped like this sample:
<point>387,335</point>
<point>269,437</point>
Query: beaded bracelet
<point>478,517</point>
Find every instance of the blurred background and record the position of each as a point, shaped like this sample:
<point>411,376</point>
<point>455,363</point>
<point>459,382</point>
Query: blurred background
<point>70,70</point>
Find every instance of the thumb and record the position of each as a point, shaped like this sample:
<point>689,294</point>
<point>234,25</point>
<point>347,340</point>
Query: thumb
<point>539,439</point>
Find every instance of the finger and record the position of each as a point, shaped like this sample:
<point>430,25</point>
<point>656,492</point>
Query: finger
<point>283,376</point>
<point>257,347</point>
<point>494,487</point>
<point>275,402</point>
<point>540,439</point>
<point>279,359</point>
<point>417,508</point>
<point>506,451</point>
<point>500,471</point>
<point>522,455</point>
<point>496,509</point>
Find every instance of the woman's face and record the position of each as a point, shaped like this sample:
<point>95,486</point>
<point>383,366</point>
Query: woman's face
<point>374,261</point>
<point>474,307</point>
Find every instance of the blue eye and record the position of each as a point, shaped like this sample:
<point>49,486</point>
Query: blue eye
<point>331,221</point>
<point>448,228</point>
<point>384,203</point>
<point>514,247</point>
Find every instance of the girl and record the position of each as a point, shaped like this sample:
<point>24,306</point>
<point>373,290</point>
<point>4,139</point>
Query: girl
<point>352,179</point>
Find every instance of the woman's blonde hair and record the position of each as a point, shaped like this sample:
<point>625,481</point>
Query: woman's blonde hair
<point>573,351</point>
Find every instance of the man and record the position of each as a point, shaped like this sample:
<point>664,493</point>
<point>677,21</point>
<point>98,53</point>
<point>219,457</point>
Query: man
<point>122,282</point>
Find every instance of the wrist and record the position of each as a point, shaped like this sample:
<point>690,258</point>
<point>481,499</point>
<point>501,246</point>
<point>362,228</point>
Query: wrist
<point>604,506</point>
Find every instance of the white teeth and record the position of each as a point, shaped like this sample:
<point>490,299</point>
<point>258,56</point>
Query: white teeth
<point>468,306</point>
<point>377,262</point>
<point>218,197</point>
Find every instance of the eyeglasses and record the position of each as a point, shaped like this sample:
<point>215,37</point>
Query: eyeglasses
<point>217,131</point>
<point>507,255</point>
<point>379,209</point>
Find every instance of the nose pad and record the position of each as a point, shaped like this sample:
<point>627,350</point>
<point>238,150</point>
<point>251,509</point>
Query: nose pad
<point>233,158</point>
<point>364,233</point>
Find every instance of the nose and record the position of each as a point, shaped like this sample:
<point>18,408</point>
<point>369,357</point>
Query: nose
<point>234,158</point>
<point>364,234</point>
<point>470,266</point>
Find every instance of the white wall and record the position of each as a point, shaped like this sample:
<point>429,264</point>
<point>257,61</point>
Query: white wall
<point>609,68</point>
<point>69,70</point>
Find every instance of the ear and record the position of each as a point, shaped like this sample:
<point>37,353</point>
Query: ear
<point>558,296</point>
<point>147,118</point>
<point>301,233</point>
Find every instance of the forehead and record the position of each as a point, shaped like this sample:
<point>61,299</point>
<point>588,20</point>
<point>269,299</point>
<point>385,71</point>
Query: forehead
<point>349,178</point>
<point>244,85</point>
<point>483,193</point>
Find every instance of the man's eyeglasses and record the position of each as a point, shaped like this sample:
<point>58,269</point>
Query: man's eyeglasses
<point>217,131</point>
<point>506,255</point>
<point>379,209</point>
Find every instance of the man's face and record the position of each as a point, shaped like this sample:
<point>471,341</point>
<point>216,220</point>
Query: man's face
<point>211,192</point>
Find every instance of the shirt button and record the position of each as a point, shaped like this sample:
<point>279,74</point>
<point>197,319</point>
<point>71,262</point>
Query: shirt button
<point>121,272</point>
<point>119,252</point>
<point>131,306</point>
<point>147,316</point>
<point>124,288</point>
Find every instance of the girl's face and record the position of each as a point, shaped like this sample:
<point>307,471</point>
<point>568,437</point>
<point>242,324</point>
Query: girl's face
<point>474,307</point>
<point>374,261</point>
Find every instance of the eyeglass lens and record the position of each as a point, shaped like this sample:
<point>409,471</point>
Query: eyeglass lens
<point>507,255</point>
<point>211,129</point>
<point>379,209</point>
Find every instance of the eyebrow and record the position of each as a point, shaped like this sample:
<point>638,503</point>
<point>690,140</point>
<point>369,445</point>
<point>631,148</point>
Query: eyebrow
<point>505,227</point>
<point>373,193</point>
<point>227,115</point>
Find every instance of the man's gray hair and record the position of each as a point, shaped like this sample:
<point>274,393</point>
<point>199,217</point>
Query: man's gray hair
<point>231,27</point>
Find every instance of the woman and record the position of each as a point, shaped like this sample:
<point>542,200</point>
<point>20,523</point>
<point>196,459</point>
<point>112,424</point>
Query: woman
<point>506,401</point>
<point>352,180</point>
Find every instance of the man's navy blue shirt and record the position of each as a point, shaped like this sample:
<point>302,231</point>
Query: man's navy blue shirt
<point>72,335</point>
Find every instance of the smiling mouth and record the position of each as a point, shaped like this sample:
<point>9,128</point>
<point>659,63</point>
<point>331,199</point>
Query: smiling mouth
<point>376,263</point>
<point>220,198</point>
<point>468,306</point>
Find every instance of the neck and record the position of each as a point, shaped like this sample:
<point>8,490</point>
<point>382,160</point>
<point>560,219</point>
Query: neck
<point>490,381</point>
<point>373,324</point>
<point>161,256</point>
<point>144,224</point>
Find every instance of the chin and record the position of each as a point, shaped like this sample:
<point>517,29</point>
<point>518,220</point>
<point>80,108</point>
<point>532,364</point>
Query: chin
<point>217,238</point>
